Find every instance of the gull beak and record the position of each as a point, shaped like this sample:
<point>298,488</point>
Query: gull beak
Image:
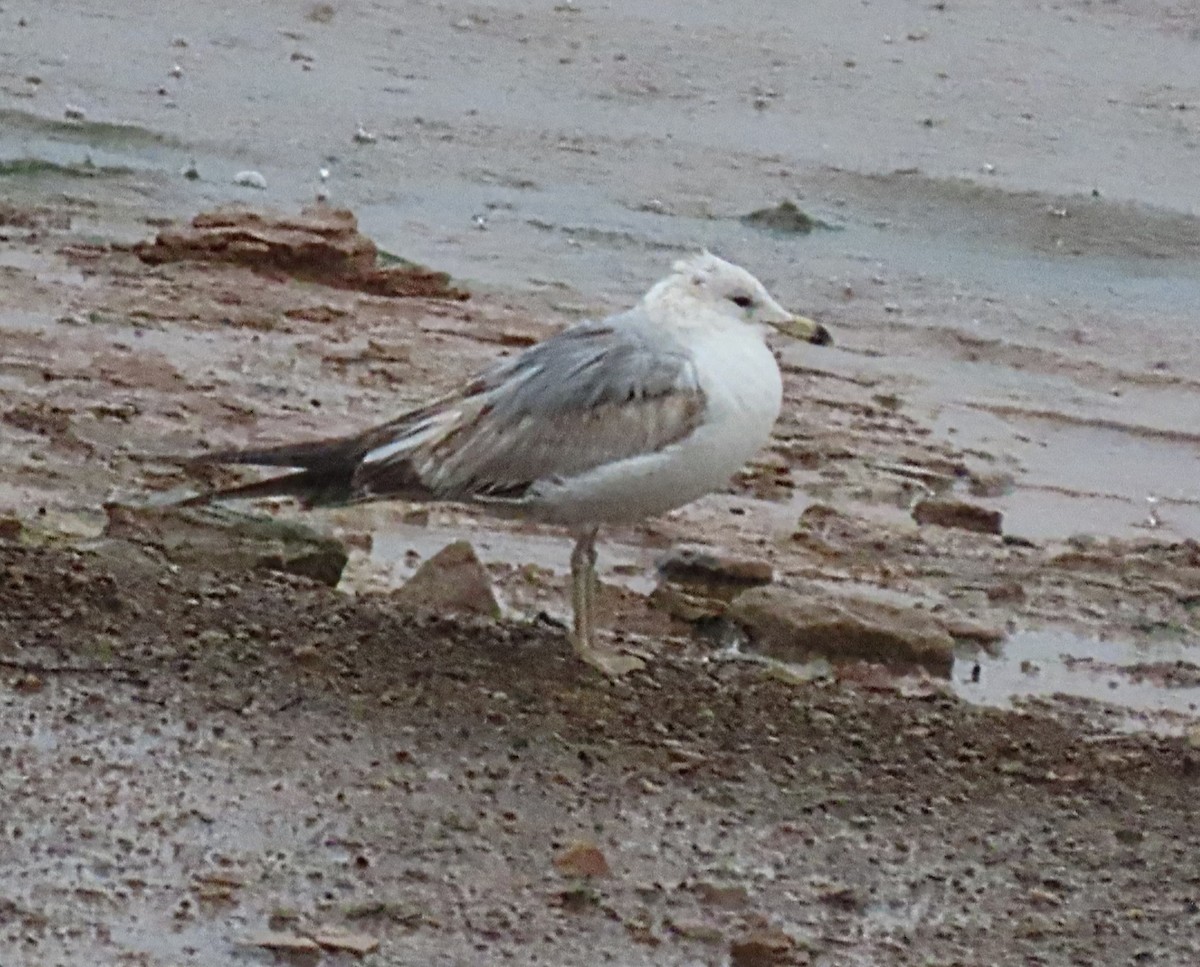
<point>800,327</point>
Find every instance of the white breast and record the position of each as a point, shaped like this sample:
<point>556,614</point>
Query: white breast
<point>743,392</point>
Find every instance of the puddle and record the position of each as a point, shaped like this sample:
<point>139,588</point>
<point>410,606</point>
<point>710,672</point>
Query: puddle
<point>1156,684</point>
<point>1048,663</point>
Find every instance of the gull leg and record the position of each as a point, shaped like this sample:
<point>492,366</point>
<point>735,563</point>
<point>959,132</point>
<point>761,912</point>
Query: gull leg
<point>582,557</point>
<point>583,605</point>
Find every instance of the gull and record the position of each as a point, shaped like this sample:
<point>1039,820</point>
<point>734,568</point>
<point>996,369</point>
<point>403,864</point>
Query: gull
<point>606,422</point>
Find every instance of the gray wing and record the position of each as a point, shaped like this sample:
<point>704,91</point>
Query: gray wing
<point>590,395</point>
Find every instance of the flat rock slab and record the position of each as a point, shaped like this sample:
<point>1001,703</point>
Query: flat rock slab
<point>697,583</point>
<point>321,244</point>
<point>716,569</point>
<point>227,541</point>
<point>793,627</point>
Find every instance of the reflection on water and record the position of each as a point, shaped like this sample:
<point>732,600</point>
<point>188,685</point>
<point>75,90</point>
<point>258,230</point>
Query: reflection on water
<point>1045,663</point>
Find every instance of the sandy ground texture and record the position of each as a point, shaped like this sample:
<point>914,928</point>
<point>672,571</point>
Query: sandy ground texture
<point>207,764</point>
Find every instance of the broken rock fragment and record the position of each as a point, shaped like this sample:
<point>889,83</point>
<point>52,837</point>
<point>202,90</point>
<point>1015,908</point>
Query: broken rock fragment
<point>959,514</point>
<point>789,626</point>
<point>321,244</point>
<point>582,859</point>
<point>216,538</point>
<point>452,581</point>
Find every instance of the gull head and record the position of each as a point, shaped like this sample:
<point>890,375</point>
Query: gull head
<point>710,283</point>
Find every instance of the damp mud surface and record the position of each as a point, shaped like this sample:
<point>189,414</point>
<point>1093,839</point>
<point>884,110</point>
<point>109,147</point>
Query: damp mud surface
<point>201,767</point>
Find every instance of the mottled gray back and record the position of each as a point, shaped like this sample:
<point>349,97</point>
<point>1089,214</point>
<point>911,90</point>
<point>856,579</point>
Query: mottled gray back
<point>592,394</point>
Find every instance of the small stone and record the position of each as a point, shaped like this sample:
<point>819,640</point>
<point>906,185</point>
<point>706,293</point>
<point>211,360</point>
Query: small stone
<point>698,583</point>
<point>697,930</point>
<point>1008,591</point>
<point>453,580</point>
<point>965,630</point>
<point>701,565</point>
<point>958,514</point>
<point>582,858</point>
<point>250,179</point>
<point>73,113</point>
<point>842,897</point>
<point>786,218</point>
<point>321,13</point>
<point>306,654</point>
<point>337,938</point>
<point>761,948</point>
<point>283,942</point>
<point>686,603</point>
<point>722,895</point>
<point>29,684</point>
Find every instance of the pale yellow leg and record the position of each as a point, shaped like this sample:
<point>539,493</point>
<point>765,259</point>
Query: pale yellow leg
<point>583,605</point>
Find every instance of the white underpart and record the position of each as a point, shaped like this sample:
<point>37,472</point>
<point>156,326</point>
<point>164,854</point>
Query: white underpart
<point>743,389</point>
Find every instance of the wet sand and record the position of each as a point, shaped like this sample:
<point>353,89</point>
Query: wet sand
<point>1011,277</point>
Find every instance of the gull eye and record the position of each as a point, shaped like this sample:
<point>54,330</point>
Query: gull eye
<point>742,301</point>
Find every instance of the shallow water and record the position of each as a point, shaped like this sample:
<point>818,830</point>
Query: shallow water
<point>1051,664</point>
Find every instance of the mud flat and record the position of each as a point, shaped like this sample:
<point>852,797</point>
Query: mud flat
<point>210,763</point>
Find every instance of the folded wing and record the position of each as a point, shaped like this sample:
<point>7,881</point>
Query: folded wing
<point>593,394</point>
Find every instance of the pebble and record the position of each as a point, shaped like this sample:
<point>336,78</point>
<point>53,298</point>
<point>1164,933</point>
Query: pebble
<point>958,514</point>
<point>696,930</point>
<point>283,942</point>
<point>582,858</point>
<point>250,179</point>
<point>702,565</point>
<point>724,896</point>
<point>336,938</point>
<point>762,948</point>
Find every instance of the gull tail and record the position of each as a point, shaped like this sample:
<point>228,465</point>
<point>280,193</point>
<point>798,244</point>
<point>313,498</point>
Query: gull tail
<point>323,472</point>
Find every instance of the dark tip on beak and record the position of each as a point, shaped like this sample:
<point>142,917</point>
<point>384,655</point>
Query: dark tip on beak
<point>821,337</point>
